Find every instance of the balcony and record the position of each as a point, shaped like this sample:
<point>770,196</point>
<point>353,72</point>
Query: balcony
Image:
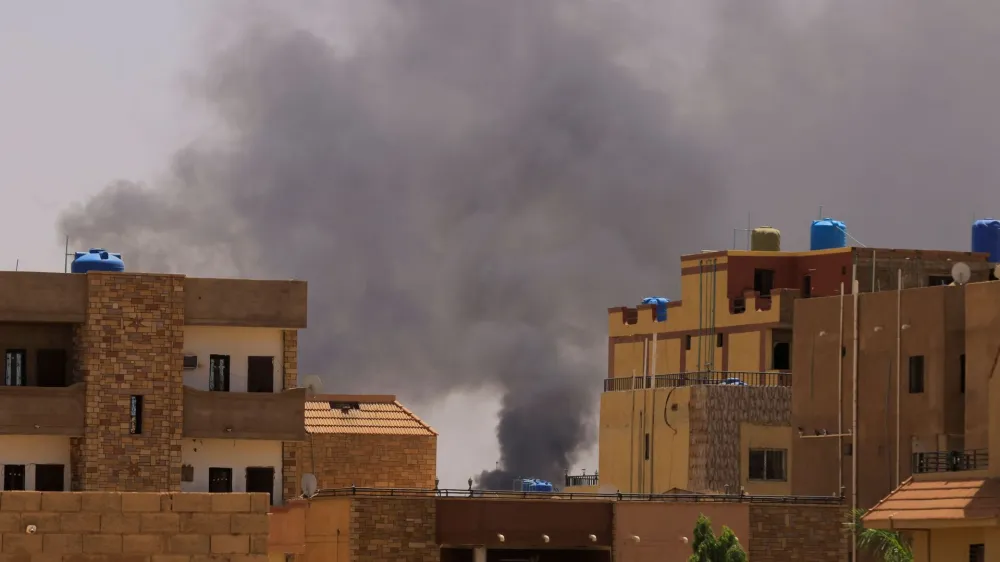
<point>35,410</point>
<point>950,461</point>
<point>725,378</point>
<point>579,480</point>
<point>278,416</point>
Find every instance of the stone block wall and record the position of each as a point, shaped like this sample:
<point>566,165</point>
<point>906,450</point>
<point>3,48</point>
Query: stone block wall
<point>133,527</point>
<point>131,343</point>
<point>782,532</point>
<point>370,461</point>
<point>716,413</point>
<point>290,367</point>
<point>385,529</point>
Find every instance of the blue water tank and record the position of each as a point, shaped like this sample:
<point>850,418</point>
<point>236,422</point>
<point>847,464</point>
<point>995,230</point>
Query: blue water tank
<point>97,259</point>
<point>826,234</point>
<point>986,238</point>
<point>660,305</point>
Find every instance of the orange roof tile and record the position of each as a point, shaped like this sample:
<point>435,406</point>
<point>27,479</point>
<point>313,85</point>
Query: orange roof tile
<point>362,415</point>
<point>937,500</point>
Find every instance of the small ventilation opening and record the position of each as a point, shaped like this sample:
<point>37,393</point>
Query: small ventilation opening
<point>345,407</point>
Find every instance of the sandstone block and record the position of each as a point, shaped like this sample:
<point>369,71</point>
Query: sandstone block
<point>159,522</point>
<point>250,523</point>
<point>142,544</point>
<point>46,522</point>
<point>140,502</point>
<point>207,523</point>
<point>100,501</point>
<point>231,503</point>
<point>170,558</point>
<point>10,522</point>
<point>119,523</point>
<point>60,501</point>
<point>190,502</point>
<point>258,544</point>
<point>61,543</point>
<point>81,522</point>
<point>102,544</point>
<point>260,503</point>
<point>188,544</point>
<point>20,543</point>
<point>20,501</point>
<point>230,544</point>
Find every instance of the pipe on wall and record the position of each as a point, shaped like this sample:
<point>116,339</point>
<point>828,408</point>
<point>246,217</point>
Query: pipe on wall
<point>854,424</point>
<point>840,398</point>
<point>899,357</point>
<point>652,420</point>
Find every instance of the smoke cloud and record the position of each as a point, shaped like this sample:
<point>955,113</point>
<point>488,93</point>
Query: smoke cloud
<point>466,192</point>
<point>472,183</point>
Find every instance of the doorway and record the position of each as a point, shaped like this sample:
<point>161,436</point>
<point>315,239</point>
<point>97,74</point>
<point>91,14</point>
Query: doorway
<point>261,479</point>
<point>51,367</point>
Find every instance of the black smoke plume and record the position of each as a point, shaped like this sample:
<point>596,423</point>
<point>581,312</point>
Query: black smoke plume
<point>466,190</point>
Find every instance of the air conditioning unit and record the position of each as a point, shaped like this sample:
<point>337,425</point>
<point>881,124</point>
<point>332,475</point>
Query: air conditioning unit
<point>190,362</point>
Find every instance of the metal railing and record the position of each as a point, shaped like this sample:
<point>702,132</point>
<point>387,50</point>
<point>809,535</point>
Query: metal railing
<point>733,378</point>
<point>581,480</point>
<point>950,461</point>
<point>507,494</point>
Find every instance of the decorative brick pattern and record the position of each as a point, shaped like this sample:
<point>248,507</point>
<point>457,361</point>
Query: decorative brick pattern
<point>394,530</point>
<point>370,461</point>
<point>716,414</point>
<point>781,532</point>
<point>290,367</point>
<point>131,344</point>
<point>146,527</point>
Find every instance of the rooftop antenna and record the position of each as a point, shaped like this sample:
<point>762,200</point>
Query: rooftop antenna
<point>17,264</point>
<point>820,217</point>
<point>66,255</point>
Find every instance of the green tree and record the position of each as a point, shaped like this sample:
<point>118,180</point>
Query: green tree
<point>889,546</point>
<point>709,548</point>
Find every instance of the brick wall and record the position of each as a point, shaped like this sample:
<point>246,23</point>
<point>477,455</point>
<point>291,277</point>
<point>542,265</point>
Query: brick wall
<point>139,527</point>
<point>290,367</point>
<point>370,461</point>
<point>131,343</point>
<point>716,414</point>
<point>780,532</point>
<point>394,529</point>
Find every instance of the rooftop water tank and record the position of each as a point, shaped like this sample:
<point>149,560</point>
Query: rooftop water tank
<point>765,239</point>
<point>986,238</point>
<point>826,234</point>
<point>660,304</point>
<point>97,259</point>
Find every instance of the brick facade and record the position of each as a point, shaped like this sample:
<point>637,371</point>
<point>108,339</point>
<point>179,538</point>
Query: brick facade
<point>370,461</point>
<point>394,529</point>
<point>131,344</point>
<point>290,367</point>
<point>146,527</point>
<point>716,414</point>
<point>781,532</point>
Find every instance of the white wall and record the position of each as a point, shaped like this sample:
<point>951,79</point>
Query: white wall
<point>237,454</point>
<point>238,344</point>
<point>30,450</point>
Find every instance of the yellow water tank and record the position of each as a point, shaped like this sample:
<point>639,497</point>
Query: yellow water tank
<point>765,239</point>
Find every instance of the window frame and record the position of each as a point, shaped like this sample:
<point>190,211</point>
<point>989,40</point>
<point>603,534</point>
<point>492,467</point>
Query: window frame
<point>8,373</point>
<point>767,452</point>
<point>221,365</point>
<point>135,408</point>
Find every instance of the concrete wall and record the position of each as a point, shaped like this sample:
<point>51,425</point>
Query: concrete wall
<point>236,454</point>
<point>328,530</point>
<point>781,532</point>
<point>74,526</point>
<point>953,544</point>
<point>369,461</point>
<point>30,450</point>
<point>982,350</point>
<point>756,436</point>
<point>930,421</point>
<point>239,344</point>
<point>662,528</point>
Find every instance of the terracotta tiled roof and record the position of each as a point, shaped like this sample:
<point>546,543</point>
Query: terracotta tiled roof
<point>362,414</point>
<point>937,500</point>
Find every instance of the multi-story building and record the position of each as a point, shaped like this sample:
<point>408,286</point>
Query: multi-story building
<point>732,327</point>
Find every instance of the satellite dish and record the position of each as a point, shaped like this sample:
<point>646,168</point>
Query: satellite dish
<point>309,485</point>
<point>961,273</point>
<point>314,385</point>
<point>996,271</point>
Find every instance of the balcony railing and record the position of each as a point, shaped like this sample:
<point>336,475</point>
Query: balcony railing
<point>730,378</point>
<point>581,480</point>
<point>950,461</point>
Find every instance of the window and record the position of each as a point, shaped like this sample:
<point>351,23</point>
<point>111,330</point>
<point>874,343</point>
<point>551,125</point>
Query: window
<point>261,479</point>
<point>51,367</point>
<point>961,373</point>
<point>260,374</point>
<point>187,473</point>
<point>763,281</point>
<point>687,343</point>
<point>719,340</point>
<point>218,373</point>
<point>848,449</point>
<point>977,553</point>
<point>916,374</point>
<point>220,480</point>
<point>646,447</point>
<point>135,415</point>
<point>15,368</point>
<point>13,477</point>
<point>781,357</point>
<point>739,305</point>
<point>935,280</point>
<point>767,464</point>
<point>807,286</point>
<point>50,477</point>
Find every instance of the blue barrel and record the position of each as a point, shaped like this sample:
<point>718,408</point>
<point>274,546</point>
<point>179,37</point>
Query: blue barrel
<point>986,238</point>
<point>660,305</point>
<point>97,259</point>
<point>826,234</point>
